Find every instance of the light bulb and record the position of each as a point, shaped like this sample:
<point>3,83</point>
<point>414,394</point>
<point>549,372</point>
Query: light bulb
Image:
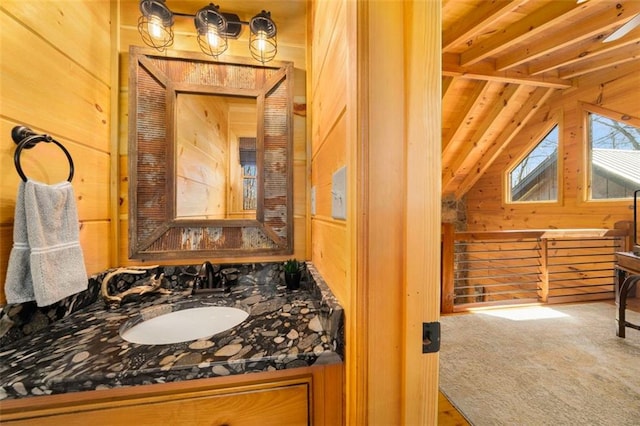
<point>212,36</point>
<point>155,27</point>
<point>262,37</point>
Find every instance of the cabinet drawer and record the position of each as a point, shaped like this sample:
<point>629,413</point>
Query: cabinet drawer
<point>281,405</point>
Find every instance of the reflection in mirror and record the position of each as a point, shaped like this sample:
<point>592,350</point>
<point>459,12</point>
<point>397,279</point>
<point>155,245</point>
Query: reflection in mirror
<point>216,167</point>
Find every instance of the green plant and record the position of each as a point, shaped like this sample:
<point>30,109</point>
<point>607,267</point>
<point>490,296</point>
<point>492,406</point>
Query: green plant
<point>291,266</point>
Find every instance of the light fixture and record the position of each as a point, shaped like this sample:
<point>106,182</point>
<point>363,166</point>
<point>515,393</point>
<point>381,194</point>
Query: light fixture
<point>156,24</point>
<point>262,38</point>
<point>213,27</point>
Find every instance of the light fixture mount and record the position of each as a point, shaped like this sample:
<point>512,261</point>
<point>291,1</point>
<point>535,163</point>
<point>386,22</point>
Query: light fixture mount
<point>213,28</point>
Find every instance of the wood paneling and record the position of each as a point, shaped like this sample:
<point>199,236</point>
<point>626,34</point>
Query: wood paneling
<point>331,245</point>
<point>88,48</point>
<point>203,156</point>
<point>56,79</point>
<point>42,87</point>
<point>329,252</point>
<point>376,260</point>
<point>485,201</point>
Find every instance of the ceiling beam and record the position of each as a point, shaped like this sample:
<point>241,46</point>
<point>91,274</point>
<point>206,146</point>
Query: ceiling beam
<point>451,141</point>
<point>447,82</point>
<point>472,148</point>
<point>519,121</point>
<point>486,71</point>
<point>581,52</point>
<point>549,16</point>
<point>617,57</point>
<point>572,32</point>
<point>481,17</point>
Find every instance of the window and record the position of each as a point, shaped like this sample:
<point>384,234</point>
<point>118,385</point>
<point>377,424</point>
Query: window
<point>614,158</point>
<point>249,190</point>
<point>249,172</point>
<point>535,178</point>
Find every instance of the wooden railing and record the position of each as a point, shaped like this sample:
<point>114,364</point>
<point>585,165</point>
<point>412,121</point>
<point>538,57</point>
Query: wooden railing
<point>546,266</point>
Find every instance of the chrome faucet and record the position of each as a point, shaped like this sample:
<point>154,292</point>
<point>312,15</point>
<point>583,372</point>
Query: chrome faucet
<point>206,281</point>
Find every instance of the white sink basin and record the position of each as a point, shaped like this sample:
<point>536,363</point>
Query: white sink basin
<point>184,325</point>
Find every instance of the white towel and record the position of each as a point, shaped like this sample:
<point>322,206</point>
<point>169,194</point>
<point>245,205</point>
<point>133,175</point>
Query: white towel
<point>46,263</point>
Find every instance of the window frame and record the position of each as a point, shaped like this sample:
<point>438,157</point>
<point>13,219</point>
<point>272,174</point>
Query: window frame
<point>553,121</point>
<point>586,109</point>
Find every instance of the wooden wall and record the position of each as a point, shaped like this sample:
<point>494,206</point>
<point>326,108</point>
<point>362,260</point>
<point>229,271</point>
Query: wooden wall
<point>374,75</point>
<point>56,79</point>
<point>616,90</point>
<point>329,139</point>
<point>202,156</point>
<point>291,47</point>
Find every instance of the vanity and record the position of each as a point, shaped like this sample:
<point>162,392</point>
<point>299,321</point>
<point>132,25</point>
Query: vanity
<point>282,365</point>
<point>210,172</point>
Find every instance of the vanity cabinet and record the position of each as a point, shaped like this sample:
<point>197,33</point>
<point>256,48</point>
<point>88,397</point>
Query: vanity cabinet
<point>300,396</point>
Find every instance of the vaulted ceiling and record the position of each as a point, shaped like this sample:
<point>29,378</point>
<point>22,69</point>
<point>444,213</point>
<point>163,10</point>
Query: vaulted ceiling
<point>503,58</point>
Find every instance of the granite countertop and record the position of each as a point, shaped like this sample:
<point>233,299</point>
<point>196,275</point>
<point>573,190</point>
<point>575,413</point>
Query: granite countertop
<point>84,351</point>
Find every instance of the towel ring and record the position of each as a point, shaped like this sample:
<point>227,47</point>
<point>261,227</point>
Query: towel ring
<point>27,139</point>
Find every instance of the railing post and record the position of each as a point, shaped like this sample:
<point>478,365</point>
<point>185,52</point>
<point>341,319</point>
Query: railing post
<point>627,226</point>
<point>447,269</point>
<point>543,293</point>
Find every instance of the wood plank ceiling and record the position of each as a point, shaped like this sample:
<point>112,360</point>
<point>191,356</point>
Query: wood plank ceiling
<point>502,58</point>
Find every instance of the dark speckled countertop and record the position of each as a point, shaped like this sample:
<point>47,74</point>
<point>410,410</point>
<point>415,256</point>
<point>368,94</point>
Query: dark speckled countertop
<point>84,351</point>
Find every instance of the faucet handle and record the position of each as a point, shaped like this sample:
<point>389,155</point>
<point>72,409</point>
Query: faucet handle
<point>207,281</point>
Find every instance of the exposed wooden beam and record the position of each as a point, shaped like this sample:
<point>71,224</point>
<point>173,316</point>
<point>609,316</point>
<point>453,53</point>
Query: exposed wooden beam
<point>472,148</point>
<point>519,121</point>
<point>619,56</point>
<point>486,71</point>
<point>623,118</point>
<point>449,145</point>
<point>571,33</point>
<point>533,24</point>
<point>481,17</point>
<point>581,52</point>
<point>446,84</point>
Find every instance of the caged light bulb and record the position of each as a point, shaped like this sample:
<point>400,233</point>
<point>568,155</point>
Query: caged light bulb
<point>155,27</point>
<point>262,37</point>
<point>212,36</point>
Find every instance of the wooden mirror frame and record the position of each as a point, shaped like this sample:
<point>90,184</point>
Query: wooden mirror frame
<point>155,79</point>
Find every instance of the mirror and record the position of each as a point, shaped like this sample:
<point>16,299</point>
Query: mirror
<point>216,167</point>
<point>172,98</point>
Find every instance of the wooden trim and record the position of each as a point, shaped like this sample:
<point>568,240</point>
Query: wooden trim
<point>114,144</point>
<point>543,293</point>
<point>358,122</point>
<point>325,404</point>
<point>609,113</point>
<point>552,119</point>
<point>627,228</point>
<point>448,244</point>
<point>422,219</point>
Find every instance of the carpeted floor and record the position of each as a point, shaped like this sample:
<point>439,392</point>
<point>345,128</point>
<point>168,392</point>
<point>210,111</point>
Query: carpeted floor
<point>555,365</point>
